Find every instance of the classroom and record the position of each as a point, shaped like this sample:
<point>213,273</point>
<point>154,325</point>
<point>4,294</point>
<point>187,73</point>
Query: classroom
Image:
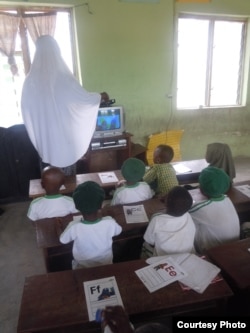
<point>138,51</point>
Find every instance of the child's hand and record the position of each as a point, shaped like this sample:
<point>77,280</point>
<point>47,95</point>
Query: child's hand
<point>117,319</point>
<point>121,183</point>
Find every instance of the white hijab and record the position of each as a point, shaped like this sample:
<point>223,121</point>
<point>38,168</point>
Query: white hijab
<point>59,114</point>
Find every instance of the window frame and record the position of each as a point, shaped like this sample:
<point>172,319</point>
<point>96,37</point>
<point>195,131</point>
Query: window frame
<point>243,67</point>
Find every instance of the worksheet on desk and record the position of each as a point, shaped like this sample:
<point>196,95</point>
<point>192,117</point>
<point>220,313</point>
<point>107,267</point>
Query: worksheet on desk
<point>108,177</point>
<point>245,189</point>
<point>101,293</point>
<point>160,274</point>
<point>135,214</point>
<point>181,168</point>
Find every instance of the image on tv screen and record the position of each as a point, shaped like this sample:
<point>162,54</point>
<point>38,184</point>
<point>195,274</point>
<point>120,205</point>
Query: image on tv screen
<point>108,120</point>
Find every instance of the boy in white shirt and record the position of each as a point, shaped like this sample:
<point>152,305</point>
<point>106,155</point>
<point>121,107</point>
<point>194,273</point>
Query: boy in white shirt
<point>92,234</point>
<point>216,219</point>
<point>52,204</point>
<point>133,189</point>
<point>172,232</point>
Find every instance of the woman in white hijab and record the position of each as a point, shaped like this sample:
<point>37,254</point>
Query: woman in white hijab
<point>59,114</point>
<point>219,155</point>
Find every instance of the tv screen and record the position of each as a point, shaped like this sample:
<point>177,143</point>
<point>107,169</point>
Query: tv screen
<point>110,121</point>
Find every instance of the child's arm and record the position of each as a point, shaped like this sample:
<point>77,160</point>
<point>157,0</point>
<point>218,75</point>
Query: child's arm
<point>117,319</point>
<point>150,175</point>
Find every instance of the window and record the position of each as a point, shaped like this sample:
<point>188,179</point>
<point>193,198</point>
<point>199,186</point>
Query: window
<point>210,61</point>
<point>11,85</point>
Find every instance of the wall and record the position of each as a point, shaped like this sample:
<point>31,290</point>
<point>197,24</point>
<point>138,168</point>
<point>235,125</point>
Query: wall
<point>128,50</point>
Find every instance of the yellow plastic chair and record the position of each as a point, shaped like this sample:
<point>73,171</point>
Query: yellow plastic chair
<point>171,138</point>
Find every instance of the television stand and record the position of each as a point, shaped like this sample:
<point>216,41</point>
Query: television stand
<point>107,153</point>
<point>111,143</point>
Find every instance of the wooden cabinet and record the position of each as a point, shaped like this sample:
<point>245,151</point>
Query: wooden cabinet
<point>108,153</point>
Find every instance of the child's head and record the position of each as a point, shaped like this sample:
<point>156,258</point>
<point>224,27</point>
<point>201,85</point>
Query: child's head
<point>178,201</point>
<point>88,197</point>
<point>214,182</point>
<point>133,170</point>
<point>163,154</point>
<point>52,179</point>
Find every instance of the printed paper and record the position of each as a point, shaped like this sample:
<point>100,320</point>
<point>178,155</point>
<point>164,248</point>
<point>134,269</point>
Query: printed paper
<point>160,274</point>
<point>101,293</point>
<point>181,168</point>
<point>108,177</point>
<point>135,214</point>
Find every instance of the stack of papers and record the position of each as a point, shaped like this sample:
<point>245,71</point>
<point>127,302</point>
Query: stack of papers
<point>199,273</point>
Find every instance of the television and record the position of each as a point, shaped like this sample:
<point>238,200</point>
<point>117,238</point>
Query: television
<point>110,122</point>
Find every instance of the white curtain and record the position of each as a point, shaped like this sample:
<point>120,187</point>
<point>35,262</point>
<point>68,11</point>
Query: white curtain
<point>9,24</point>
<point>40,24</point>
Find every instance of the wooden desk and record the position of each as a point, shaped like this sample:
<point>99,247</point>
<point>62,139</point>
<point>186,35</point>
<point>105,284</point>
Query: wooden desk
<point>36,190</point>
<point>234,261</point>
<point>196,166</point>
<point>126,246</point>
<point>55,302</point>
<point>71,182</point>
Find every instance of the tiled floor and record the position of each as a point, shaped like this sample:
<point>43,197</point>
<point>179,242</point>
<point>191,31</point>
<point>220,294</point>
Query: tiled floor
<point>20,257</point>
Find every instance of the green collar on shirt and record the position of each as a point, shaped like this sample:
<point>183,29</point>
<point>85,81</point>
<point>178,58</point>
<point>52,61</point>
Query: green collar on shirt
<point>134,185</point>
<point>222,197</point>
<point>90,222</point>
<point>53,196</point>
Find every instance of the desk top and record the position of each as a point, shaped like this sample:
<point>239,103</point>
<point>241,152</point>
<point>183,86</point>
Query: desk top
<point>57,300</point>
<point>36,190</point>
<point>234,261</point>
<point>47,234</point>
<point>71,182</point>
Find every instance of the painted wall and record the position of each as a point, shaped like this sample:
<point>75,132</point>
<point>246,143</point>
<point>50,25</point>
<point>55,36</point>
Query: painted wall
<point>128,50</point>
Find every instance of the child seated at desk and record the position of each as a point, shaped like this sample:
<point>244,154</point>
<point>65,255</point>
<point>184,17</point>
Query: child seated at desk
<point>92,234</point>
<point>133,189</point>
<point>174,231</point>
<point>162,176</point>
<point>216,219</point>
<point>52,204</point>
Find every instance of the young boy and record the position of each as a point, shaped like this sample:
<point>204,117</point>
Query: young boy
<point>92,234</point>
<point>52,204</point>
<point>162,176</point>
<point>133,190</point>
<point>174,231</point>
<point>216,219</point>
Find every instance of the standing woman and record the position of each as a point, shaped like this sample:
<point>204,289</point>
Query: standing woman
<point>59,114</point>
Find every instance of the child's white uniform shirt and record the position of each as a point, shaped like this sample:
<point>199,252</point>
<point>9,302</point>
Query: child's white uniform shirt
<point>132,193</point>
<point>51,206</point>
<point>216,222</point>
<point>169,234</point>
<point>92,240</point>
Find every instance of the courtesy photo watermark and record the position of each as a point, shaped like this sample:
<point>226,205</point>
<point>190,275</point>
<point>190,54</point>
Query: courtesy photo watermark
<point>213,324</point>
